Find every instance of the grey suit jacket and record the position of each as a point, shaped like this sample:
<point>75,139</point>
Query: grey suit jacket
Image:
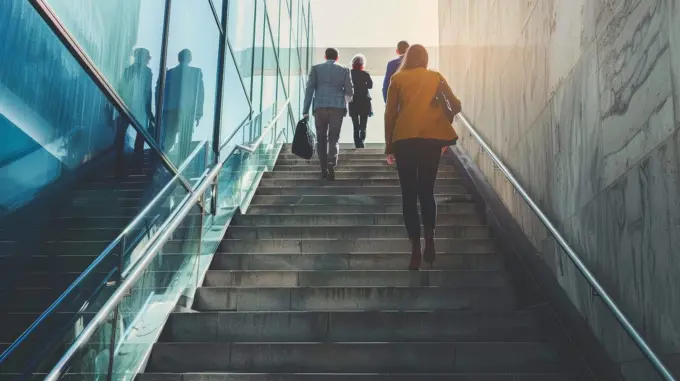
<point>329,83</point>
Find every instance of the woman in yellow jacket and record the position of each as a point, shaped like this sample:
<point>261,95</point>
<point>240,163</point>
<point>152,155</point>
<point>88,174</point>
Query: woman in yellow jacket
<point>417,133</point>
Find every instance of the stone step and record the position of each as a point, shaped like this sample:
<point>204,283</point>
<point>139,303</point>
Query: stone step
<point>341,326</point>
<point>14,324</point>
<point>349,199</point>
<point>349,231</point>
<point>121,201</point>
<point>58,248</point>
<point>95,222</point>
<point>112,193</point>
<point>342,160</point>
<point>483,299</point>
<point>110,176</point>
<point>308,261</point>
<point>351,167</point>
<point>364,261</point>
<point>348,149</point>
<point>345,159</point>
<point>43,279</point>
<point>344,154</point>
<point>60,264</point>
<point>489,357</point>
<point>349,377</point>
<point>94,231</point>
<point>357,184</point>
<point>345,219</point>
<point>353,278</point>
<point>335,189</point>
<point>278,209</point>
<point>135,183</point>
<point>32,300</point>
<point>360,245</point>
<point>105,211</point>
<point>353,175</point>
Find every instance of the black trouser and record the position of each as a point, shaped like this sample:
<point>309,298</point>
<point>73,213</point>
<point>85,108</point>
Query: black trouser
<point>417,163</point>
<point>359,121</point>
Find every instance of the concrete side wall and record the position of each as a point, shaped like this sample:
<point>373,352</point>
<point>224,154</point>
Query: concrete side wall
<point>581,98</point>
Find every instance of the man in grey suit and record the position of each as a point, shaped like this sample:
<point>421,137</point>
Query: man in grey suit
<point>330,84</point>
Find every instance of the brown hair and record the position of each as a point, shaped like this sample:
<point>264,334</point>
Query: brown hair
<point>402,47</point>
<point>416,57</point>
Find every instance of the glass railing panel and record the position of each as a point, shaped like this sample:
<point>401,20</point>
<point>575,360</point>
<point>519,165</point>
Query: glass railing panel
<point>262,160</point>
<point>155,294</point>
<point>53,329</point>
<point>93,361</point>
<point>159,208</point>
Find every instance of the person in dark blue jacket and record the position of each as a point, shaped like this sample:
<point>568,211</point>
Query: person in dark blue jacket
<point>393,66</point>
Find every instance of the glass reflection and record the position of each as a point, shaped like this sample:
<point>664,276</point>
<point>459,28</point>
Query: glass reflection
<point>190,86</point>
<point>53,118</point>
<point>135,89</point>
<point>124,41</point>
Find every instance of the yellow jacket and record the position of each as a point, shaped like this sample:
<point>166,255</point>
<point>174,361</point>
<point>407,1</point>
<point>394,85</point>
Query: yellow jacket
<point>409,112</point>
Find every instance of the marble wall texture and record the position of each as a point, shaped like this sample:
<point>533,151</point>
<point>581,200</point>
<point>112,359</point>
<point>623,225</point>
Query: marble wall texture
<point>581,99</point>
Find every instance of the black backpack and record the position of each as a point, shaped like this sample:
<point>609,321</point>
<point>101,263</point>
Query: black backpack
<point>304,140</point>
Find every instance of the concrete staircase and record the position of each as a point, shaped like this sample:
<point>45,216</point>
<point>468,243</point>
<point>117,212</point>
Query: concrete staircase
<point>312,284</point>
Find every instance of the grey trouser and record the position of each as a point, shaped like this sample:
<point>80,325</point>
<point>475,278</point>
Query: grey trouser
<point>328,124</point>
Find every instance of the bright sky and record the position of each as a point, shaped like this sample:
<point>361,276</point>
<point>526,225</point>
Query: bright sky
<point>362,23</point>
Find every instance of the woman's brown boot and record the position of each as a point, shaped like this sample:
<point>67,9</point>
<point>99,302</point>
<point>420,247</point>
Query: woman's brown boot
<point>416,255</point>
<point>429,253</point>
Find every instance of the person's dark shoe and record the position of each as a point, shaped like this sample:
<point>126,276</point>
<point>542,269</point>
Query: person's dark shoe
<point>324,173</point>
<point>429,253</point>
<point>416,255</point>
<point>331,173</point>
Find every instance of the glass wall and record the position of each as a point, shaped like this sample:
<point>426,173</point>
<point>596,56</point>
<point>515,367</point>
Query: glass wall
<point>53,118</point>
<point>189,74</point>
<point>266,59</point>
<point>124,40</point>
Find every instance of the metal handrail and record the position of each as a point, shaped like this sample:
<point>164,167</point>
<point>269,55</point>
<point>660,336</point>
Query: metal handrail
<point>594,283</point>
<point>256,144</point>
<point>150,251</point>
<point>100,258</point>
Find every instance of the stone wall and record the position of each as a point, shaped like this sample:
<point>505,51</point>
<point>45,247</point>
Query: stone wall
<point>581,99</point>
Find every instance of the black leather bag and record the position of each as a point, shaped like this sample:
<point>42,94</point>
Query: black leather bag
<point>450,107</point>
<point>304,140</point>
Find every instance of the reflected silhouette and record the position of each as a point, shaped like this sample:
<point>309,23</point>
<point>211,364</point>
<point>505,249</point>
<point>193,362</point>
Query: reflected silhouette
<point>135,89</point>
<point>182,106</point>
